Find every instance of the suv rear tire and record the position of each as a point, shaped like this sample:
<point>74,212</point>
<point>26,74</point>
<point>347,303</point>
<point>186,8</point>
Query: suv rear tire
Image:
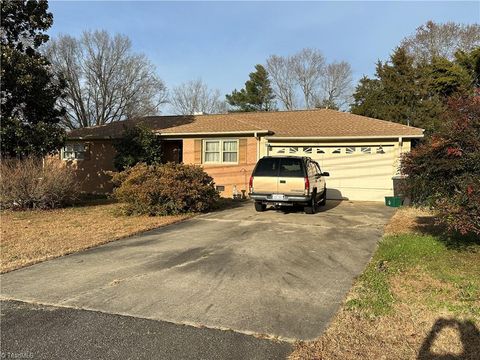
<point>312,207</point>
<point>260,207</point>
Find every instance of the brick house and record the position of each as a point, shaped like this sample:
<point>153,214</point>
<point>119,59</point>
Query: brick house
<point>362,154</point>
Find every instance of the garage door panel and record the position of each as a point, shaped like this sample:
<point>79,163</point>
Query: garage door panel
<point>356,172</point>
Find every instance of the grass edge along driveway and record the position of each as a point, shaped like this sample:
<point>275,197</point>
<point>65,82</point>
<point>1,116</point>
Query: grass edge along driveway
<point>418,298</point>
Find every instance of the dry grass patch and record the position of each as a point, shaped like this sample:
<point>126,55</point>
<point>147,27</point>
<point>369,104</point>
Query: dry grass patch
<point>29,237</point>
<point>410,220</point>
<point>419,298</point>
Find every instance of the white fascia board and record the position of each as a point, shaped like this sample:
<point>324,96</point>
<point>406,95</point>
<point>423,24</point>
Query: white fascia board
<point>212,133</point>
<point>309,138</point>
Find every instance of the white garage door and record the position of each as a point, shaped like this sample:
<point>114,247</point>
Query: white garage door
<point>356,172</point>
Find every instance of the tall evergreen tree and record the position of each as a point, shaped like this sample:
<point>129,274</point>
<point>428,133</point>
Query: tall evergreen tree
<point>29,91</point>
<point>446,78</point>
<point>257,94</point>
<point>410,93</point>
<point>470,61</point>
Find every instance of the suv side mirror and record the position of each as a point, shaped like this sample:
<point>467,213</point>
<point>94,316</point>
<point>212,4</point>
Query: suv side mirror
<point>326,173</point>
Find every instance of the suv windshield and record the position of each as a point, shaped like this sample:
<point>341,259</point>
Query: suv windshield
<point>267,167</point>
<point>291,168</point>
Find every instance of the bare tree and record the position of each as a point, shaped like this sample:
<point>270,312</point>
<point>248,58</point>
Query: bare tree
<point>306,72</point>
<point>432,39</point>
<point>336,85</point>
<point>308,66</point>
<point>195,96</point>
<point>105,80</point>
<point>281,71</point>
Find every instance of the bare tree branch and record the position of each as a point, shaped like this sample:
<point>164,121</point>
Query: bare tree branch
<point>308,67</point>
<point>105,81</point>
<point>336,85</point>
<point>195,96</point>
<point>441,40</point>
<point>281,71</point>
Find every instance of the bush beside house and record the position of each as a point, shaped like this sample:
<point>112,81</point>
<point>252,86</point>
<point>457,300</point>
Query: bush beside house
<point>33,183</point>
<point>138,144</point>
<point>444,172</point>
<point>166,189</point>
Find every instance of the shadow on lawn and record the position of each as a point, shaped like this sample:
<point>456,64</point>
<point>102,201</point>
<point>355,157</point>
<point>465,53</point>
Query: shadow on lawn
<point>429,225</point>
<point>469,336</point>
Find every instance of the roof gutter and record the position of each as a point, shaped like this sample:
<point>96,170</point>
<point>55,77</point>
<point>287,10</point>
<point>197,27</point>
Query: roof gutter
<point>203,133</point>
<point>90,137</point>
<point>341,137</point>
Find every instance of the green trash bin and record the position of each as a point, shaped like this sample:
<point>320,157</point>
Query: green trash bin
<point>393,201</point>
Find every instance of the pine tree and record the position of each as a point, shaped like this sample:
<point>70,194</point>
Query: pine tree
<point>413,93</point>
<point>398,93</point>
<point>257,94</point>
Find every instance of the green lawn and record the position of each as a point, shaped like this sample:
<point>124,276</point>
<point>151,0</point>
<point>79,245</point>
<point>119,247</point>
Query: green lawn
<point>455,263</point>
<point>418,298</point>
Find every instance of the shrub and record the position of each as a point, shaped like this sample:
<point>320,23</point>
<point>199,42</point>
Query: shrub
<point>444,172</point>
<point>138,144</point>
<point>165,189</point>
<point>33,184</point>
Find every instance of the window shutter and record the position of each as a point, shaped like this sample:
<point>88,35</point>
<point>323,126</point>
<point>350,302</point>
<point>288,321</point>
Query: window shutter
<point>197,152</point>
<point>242,151</point>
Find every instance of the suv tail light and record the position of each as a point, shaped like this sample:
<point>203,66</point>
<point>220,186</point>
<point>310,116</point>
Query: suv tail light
<point>250,184</point>
<point>307,186</point>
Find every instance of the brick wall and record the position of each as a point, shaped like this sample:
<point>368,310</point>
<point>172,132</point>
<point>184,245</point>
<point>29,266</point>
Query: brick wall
<point>91,171</point>
<point>100,153</point>
<point>229,176</point>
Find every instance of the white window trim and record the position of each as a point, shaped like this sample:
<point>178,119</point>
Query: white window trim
<point>75,157</point>
<point>220,151</point>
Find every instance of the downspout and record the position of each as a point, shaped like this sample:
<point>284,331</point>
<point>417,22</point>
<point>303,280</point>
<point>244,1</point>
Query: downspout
<point>400,152</point>
<point>258,144</point>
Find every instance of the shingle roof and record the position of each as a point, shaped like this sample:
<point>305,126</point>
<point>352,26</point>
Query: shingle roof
<point>301,123</point>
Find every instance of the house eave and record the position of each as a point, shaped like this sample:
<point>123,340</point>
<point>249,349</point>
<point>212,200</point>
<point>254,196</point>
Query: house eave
<point>352,137</point>
<point>88,138</point>
<point>214,133</point>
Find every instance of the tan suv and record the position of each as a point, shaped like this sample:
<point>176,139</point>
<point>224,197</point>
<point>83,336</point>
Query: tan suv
<point>289,180</point>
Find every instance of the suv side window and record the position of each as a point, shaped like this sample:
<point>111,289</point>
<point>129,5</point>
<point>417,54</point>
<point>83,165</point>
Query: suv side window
<point>319,171</point>
<point>312,170</point>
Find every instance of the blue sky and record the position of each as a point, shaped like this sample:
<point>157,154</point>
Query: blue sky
<point>221,42</point>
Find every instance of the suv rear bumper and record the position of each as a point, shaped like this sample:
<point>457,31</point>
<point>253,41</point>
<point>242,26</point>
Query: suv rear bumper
<point>288,200</point>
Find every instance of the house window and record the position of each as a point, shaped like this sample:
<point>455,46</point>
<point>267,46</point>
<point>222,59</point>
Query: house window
<point>293,150</point>
<point>366,150</point>
<point>307,150</point>
<point>320,151</point>
<point>73,152</point>
<point>230,151</point>
<point>380,150</point>
<point>220,151</point>
<point>337,151</point>
<point>350,150</point>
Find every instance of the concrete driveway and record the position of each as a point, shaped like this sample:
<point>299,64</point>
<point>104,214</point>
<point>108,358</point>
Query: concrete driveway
<point>280,274</point>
